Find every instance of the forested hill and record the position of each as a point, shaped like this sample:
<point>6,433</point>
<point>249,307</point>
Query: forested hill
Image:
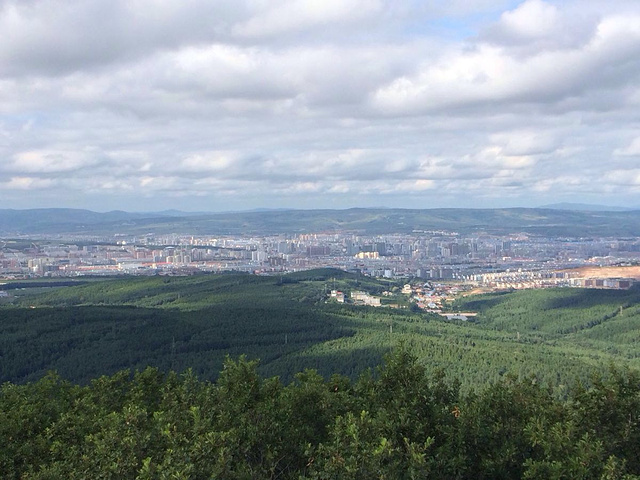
<point>363,220</point>
<point>176,323</point>
<point>543,385</point>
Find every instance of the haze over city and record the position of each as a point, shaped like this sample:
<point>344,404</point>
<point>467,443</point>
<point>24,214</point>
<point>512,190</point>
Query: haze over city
<point>209,106</point>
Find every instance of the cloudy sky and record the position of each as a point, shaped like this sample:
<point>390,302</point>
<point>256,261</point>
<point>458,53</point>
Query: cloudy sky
<point>239,104</point>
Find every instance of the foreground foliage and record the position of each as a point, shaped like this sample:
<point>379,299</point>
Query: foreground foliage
<point>399,422</point>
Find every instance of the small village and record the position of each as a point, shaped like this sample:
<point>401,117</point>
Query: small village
<point>427,297</point>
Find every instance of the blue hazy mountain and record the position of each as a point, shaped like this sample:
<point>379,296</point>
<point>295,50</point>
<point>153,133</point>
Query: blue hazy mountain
<point>586,207</point>
<point>542,221</point>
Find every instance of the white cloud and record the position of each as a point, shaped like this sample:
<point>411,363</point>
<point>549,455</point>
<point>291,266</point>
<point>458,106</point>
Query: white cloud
<point>632,150</point>
<point>48,162</point>
<point>628,177</point>
<point>26,183</point>
<point>490,75</point>
<point>280,17</point>
<point>208,162</point>
<point>525,142</point>
<point>532,19</point>
<point>310,103</point>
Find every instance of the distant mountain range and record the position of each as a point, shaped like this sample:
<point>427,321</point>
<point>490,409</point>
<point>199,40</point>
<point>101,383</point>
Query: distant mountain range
<point>542,221</point>
<point>585,207</point>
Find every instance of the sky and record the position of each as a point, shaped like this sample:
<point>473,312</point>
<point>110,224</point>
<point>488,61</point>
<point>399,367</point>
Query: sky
<point>199,105</point>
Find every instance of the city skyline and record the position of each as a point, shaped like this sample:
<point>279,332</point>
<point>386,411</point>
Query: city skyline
<point>220,106</point>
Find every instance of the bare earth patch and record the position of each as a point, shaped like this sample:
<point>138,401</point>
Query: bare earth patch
<point>607,272</point>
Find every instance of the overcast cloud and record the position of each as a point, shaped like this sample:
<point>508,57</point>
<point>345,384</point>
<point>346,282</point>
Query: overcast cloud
<point>200,105</point>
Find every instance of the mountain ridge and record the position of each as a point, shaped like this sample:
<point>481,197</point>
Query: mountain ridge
<point>586,207</point>
<point>536,221</point>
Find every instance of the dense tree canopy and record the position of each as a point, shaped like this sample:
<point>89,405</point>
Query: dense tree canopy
<point>396,422</point>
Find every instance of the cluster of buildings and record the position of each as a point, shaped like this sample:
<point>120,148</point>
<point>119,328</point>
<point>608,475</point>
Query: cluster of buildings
<point>491,261</point>
<point>429,297</point>
<point>363,298</point>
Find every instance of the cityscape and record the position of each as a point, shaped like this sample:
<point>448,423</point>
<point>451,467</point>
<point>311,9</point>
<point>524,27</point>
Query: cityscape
<point>481,262</point>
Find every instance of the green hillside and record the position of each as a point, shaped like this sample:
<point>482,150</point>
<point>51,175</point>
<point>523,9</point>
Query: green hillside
<point>193,322</point>
<point>599,320</point>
